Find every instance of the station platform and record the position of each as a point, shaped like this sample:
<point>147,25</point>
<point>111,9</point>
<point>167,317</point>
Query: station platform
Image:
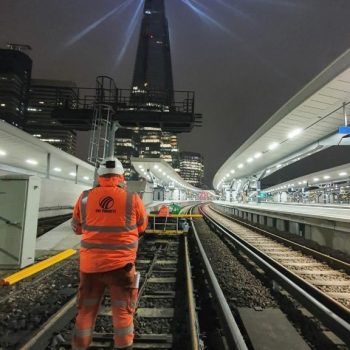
<point>327,226</point>
<point>59,238</point>
<point>340,213</point>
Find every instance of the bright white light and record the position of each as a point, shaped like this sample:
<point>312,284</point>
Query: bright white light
<point>160,170</point>
<point>249,160</point>
<point>240,166</point>
<point>257,155</point>
<point>326,177</point>
<point>268,171</point>
<point>57,169</point>
<point>304,182</point>
<point>140,166</point>
<point>278,166</point>
<point>72,174</point>
<point>41,102</point>
<point>3,105</point>
<point>86,178</point>
<point>156,167</point>
<point>299,183</point>
<point>316,179</point>
<point>32,161</point>
<point>2,153</point>
<point>294,133</point>
<point>228,175</point>
<point>273,146</point>
<point>233,171</point>
<point>343,173</point>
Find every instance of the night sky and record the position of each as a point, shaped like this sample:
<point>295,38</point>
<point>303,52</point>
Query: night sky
<point>243,58</point>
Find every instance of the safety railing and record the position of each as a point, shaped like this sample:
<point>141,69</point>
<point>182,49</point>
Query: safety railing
<point>170,224</point>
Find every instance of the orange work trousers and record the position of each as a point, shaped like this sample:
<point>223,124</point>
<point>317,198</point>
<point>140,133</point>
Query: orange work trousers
<point>123,302</point>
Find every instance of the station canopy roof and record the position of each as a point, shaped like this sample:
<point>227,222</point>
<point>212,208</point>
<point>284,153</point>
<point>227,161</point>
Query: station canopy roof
<point>22,153</point>
<point>164,174</point>
<point>311,115</point>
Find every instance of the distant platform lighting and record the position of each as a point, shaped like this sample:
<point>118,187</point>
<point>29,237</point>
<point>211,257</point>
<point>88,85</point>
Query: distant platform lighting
<point>2,153</point>
<point>273,146</point>
<point>326,177</point>
<point>32,162</point>
<point>249,160</point>
<point>343,173</point>
<point>240,166</point>
<point>257,155</point>
<point>316,179</point>
<point>295,133</point>
<point>57,169</point>
<point>232,171</point>
<point>72,174</point>
<point>86,178</point>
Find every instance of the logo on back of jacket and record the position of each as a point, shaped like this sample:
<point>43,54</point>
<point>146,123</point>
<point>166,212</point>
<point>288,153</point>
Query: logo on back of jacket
<point>106,204</point>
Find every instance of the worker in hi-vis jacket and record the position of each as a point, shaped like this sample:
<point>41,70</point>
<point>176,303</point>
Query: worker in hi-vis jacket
<point>109,220</point>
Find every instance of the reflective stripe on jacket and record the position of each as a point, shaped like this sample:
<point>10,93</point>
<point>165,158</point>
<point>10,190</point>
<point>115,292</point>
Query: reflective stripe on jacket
<point>110,220</point>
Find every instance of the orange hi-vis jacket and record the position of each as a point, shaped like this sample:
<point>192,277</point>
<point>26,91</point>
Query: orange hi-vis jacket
<point>110,220</point>
<point>164,211</point>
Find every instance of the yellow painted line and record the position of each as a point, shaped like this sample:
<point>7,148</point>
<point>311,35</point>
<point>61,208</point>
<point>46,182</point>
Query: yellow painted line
<point>194,216</point>
<point>31,270</point>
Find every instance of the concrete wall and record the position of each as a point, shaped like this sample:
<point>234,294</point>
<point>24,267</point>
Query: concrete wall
<point>56,196</point>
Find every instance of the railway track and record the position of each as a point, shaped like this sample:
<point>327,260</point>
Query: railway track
<point>165,315</point>
<point>319,282</point>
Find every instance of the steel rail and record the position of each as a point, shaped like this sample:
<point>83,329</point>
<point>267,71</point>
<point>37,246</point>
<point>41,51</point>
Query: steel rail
<point>229,324</point>
<point>56,322</point>
<point>334,305</point>
<point>312,298</point>
<point>327,258</point>
<point>190,301</point>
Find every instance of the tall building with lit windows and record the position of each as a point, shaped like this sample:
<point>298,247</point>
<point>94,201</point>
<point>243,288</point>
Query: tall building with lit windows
<point>192,168</point>
<point>15,74</point>
<point>127,146</point>
<point>152,86</point>
<point>44,97</point>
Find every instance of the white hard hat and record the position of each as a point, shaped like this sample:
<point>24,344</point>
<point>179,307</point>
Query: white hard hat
<point>110,165</point>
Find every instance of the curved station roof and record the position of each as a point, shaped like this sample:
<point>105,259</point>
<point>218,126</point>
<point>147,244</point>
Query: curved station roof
<point>296,129</point>
<point>159,171</point>
<point>22,153</point>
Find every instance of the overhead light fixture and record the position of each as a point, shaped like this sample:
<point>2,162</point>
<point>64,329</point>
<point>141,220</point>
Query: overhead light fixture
<point>32,161</point>
<point>140,166</point>
<point>304,182</point>
<point>57,169</point>
<point>86,178</point>
<point>268,171</point>
<point>2,153</point>
<point>240,166</point>
<point>72,174</point>
<point>299,183</point>
<point>343,173</point>
<point>273,146</point>
<point>294,133</point>
<point>326,177</point>
<point>316,179</point>
<point>257,155</point>
<point>278,166</point>
<point>232,171</point>
<point>156,166</point>
<point>249,160</point>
